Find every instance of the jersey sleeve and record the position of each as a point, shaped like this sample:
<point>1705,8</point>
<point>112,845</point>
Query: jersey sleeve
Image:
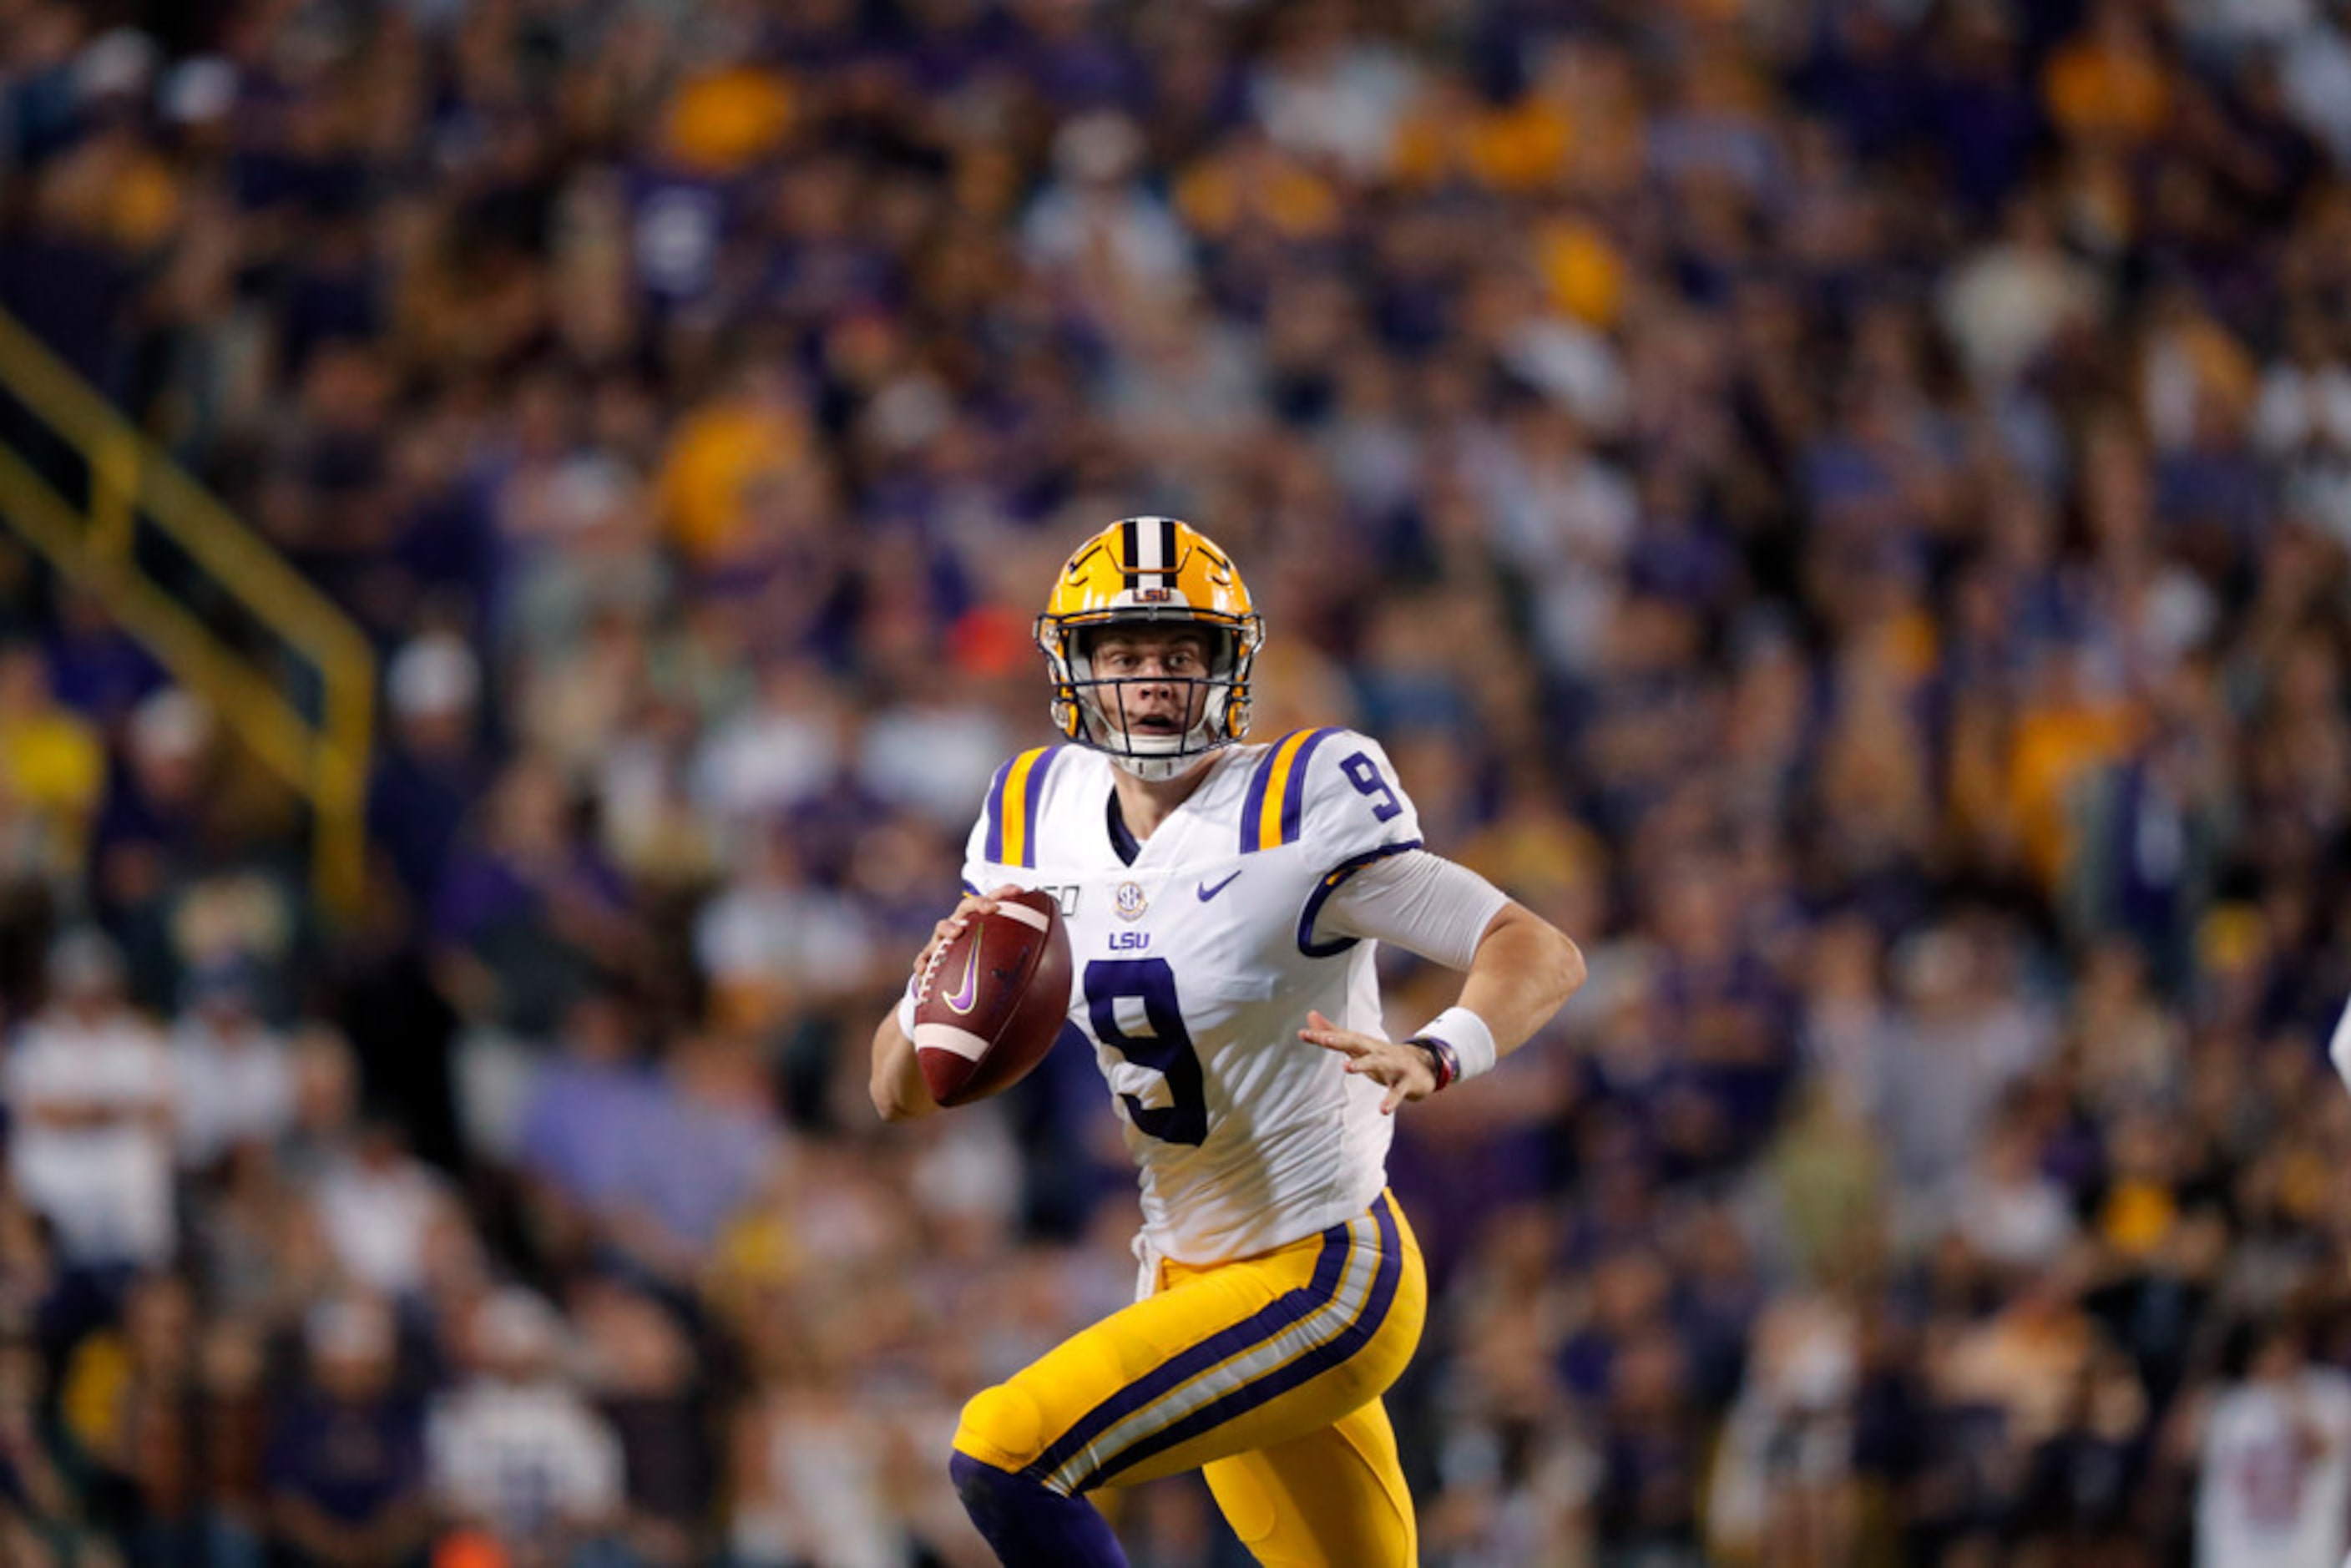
<point>1334,793</point>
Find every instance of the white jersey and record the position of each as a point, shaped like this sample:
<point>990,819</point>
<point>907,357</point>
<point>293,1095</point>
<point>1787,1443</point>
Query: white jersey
<point>2277,1475</point>
<point>1194,968</point>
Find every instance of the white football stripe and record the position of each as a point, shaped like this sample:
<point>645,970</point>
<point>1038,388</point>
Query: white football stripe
<point>1023,914</point>
<point>948,1038</point>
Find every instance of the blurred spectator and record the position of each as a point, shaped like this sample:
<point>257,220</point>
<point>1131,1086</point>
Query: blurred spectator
<point>2013,1215</point>
<point>822,1462</point>
<point>1096,227</point>
<point>2005,304</point>
<point>379,1208</point>
<point>777,753</point>
<point>587,1111</point>
<point>651,1163</point>
<point>346,1464</point>
<point>129,1405</point>
<point>774,944</point>
<point>234,1433</point>
<point>2276,1461</point>
<point>527,909</point>
<point>326,1093</point>
<point>1956,1045</point>
<point>39,1522</point>
<point>52,772</point>
<point>1652,1463</point>
<point>513,1449</point>
<point>644,1373</point>
<point>933,749</point>
<point>90,1096</point>
<point>2108,81</point>
<point>96,667</point>
<point>433,771</point>
<point>2084,1480</point>
<point>1783,1490</point>
<point>1330,93</point>
<point>233,1075</point>
<point>708,1144</point>
<point>162,824</point>
<point>721,452</point>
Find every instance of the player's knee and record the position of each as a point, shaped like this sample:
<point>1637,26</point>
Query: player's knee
<point>1001,1426</point>
<point>1029,1523</point>
<point>978,1482</point>
<point>996,1499</point>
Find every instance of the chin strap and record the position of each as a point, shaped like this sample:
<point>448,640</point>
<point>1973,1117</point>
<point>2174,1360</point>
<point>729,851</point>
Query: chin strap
<point>1155,770</point>
<point>1156,767</point>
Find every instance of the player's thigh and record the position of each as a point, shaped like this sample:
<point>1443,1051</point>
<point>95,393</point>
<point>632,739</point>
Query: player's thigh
<point>1221,1361</point>
<point>1298,1384</point>
<point>1332,1498</point>
<point>1023,1420</point>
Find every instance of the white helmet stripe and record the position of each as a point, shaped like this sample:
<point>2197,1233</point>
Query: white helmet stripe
<point>1150,551</point>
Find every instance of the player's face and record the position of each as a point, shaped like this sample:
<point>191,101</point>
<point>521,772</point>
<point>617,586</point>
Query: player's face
<point>1162,674</point>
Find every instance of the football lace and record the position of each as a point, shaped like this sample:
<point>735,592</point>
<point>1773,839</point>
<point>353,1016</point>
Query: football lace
<point>922,993</point>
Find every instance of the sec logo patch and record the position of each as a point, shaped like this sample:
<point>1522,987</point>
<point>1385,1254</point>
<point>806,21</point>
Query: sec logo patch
<point>1129,901</point>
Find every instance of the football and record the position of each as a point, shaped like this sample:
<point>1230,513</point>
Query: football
<point>994,1000</point>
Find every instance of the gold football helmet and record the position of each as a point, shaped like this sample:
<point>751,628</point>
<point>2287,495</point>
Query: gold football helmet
<point>1138,571</point>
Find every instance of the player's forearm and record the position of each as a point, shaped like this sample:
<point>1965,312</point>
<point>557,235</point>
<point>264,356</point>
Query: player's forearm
<point>1524,971</point>
<point>897,1087</point>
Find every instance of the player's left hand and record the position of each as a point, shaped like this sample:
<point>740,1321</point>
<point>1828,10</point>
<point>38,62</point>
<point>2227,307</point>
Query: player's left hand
<point>1403,1070</point>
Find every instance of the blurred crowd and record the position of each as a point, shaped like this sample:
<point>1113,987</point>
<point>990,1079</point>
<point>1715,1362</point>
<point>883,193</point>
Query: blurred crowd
<point>1842,504</point>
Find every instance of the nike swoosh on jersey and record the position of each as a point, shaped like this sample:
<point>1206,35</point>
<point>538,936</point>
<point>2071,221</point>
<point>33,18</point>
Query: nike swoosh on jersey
<point>966,990</point>
<point>1208,893</point>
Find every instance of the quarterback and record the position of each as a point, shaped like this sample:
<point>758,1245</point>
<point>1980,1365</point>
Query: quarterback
<point>1222,902</point>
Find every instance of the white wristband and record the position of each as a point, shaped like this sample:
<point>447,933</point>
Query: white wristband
<point>906,1012</point>
<point>1466,1032</point>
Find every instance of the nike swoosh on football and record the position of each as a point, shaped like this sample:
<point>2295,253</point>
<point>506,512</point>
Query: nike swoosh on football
<point>966,990</point>
<point>1208,893</point>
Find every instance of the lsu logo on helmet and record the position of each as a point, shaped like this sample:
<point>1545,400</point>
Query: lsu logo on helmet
<point>1143,570</point>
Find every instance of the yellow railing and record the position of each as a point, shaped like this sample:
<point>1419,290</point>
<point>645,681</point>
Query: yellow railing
<point>132,480</point>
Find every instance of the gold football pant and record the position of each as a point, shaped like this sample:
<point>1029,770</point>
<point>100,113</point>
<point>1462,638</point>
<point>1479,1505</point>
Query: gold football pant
<point>1265,1373</point>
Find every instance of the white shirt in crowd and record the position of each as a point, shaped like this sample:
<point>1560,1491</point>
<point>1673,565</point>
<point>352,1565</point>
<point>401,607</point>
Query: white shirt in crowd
<point>936,758</point>
<point>2276,1479</point>
<point>378,1216</point>
<point>523,1459</point>
<point>823,1497</point>
<point>232,1088</point>
<point>103,1174</point>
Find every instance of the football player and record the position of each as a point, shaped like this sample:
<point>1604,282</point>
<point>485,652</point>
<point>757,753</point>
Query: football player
<point>1222,902</point>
